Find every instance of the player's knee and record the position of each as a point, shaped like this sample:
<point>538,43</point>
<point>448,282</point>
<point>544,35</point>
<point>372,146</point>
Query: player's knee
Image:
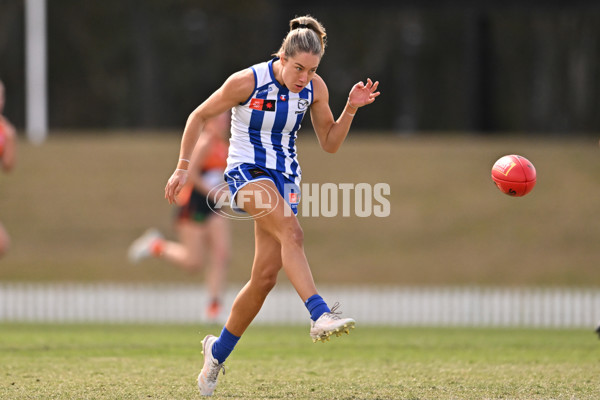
<point>269,283</point>
<point>293,234</point>
<point>266,282</point>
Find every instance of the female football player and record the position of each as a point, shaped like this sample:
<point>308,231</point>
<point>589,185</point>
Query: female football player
<point>268,102</point>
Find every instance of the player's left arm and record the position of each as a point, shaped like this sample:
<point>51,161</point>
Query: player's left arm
<point>9,155</point>
<point>332,133</point>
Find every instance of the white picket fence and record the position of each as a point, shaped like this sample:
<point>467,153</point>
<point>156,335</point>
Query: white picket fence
<point>369,305</point>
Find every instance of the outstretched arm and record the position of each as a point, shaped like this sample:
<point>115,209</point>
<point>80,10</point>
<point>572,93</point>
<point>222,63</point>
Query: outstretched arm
<point>332,133</point>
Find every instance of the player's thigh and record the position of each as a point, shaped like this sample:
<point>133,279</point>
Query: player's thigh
<point>271,213</point>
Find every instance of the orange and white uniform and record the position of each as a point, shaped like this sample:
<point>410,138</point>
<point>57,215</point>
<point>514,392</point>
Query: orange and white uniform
<point>194,204</point>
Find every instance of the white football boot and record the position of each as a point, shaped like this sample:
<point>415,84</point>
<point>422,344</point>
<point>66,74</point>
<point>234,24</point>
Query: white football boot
<point>207,379</point>
<point>330,323</point>
<point>142,247</point>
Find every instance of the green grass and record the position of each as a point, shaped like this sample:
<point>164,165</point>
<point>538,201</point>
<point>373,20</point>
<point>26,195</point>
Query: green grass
<point>162,362</point>
<point>73,205</point>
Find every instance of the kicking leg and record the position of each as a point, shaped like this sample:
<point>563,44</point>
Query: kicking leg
<point>283,227</point>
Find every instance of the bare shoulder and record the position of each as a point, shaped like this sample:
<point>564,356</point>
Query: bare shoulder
<point>320,90</point>
<point>236,90</point>
<point>240,84</point>
<point>245,76</point>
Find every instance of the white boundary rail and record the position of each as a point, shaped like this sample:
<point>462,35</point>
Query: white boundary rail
<point>369,305</point>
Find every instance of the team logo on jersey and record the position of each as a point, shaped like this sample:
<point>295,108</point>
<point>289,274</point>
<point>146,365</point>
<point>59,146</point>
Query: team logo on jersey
<point>282,97</point>
<point>302,106</point>
<point>262,105</point>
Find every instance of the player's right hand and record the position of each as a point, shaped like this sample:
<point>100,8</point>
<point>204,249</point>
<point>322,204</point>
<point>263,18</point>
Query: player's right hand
<point>175,183</point>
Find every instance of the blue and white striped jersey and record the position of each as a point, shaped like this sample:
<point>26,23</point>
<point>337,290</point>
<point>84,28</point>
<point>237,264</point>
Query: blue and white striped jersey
<point>265,127</point>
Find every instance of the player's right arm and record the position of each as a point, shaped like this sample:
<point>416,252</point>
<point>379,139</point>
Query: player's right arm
<point>236,89</point>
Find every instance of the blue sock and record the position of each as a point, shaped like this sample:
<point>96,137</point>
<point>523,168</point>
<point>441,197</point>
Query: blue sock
<point>224,345</point>
<point>316,306</point>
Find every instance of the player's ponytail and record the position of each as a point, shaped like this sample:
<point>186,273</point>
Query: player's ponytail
<point>306,35</point>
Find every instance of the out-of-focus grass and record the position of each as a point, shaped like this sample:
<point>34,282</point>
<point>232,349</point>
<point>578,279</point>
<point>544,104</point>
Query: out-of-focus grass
<point>74,204</point>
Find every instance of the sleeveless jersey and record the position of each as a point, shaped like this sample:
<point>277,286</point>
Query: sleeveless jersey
<point>265,127</point>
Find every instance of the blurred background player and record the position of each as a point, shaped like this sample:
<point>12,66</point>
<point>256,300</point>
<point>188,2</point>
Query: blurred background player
<point>201,231</point>
<point>8,148</point>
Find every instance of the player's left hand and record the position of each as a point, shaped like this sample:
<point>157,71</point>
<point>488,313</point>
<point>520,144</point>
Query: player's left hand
<point>361,94</point>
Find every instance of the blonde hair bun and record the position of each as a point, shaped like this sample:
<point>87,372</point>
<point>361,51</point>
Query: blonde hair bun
<point>306,35</point>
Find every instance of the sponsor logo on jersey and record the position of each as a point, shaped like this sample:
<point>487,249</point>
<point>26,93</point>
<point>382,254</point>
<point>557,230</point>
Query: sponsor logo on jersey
<point>263,92</point>
<point>262,105</point>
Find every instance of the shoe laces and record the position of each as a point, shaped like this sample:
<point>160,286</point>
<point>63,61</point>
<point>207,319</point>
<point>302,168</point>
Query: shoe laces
<point>334,313</point>
<point>213,373</point>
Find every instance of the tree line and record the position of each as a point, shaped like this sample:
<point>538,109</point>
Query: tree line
<point>146,64</point>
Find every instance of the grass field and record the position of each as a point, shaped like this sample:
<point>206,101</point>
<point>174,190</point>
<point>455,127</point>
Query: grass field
<point>162,362</point>
<point>73,206</point>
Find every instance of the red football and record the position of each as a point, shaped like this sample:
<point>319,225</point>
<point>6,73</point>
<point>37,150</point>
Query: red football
<point>514,175</point>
